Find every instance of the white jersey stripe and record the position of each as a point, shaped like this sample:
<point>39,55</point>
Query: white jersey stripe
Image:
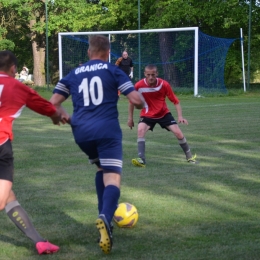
<point>146,90</point>
<point>125,86</point>
<point>62,87</point>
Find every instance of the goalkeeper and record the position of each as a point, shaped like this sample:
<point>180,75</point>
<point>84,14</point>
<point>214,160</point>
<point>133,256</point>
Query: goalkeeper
<point>155,91</point>
<point>125,63</point>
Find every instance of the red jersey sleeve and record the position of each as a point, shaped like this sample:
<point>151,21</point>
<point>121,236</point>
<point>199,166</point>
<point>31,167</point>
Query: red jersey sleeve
<point>38,104</point>
<point>14,97</point>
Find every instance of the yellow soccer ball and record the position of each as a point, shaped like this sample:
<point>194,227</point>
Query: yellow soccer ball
<point>126,215</point>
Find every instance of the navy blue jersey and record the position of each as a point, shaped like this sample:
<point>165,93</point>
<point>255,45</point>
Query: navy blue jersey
<point>94,89</point>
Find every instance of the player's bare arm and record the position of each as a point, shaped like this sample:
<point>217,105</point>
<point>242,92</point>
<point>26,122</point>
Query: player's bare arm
<point>179,112</point>
<point>57,100</point>
<point>137,101</point>
<point>130,121</point>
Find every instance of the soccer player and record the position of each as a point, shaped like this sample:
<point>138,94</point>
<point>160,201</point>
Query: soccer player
<point>95,125</point>
<point>125,63</point>
<point>155,90</point>
<point>14,96</point>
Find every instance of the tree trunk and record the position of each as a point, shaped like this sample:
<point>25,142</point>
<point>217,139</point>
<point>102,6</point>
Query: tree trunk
<point>38,48</point>
<point>166,41</point>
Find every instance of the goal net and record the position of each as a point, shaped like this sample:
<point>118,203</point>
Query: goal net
<point>187,58</point>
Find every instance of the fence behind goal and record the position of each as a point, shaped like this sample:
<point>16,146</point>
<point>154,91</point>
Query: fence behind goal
<point>187,58</point>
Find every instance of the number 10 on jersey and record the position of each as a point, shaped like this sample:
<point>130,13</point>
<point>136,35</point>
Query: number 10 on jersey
<point>88,89</point>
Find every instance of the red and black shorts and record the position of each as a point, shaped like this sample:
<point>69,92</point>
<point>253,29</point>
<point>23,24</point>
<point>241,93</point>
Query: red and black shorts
<point>6,161</point>
<point>165,121</point>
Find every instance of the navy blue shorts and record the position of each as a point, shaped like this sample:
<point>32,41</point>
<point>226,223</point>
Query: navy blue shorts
<point>107,153</point>
<point>165,121</point>
<point>6,161</point>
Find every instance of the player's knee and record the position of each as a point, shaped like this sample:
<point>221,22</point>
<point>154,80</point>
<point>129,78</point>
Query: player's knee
<point>141,133</point>
<point>112,179</point>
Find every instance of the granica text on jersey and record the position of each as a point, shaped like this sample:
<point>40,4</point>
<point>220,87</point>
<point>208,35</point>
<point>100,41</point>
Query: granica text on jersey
<point>93,67</point>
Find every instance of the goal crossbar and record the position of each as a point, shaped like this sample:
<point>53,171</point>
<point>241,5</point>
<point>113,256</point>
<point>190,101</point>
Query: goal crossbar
<point>109,33</point>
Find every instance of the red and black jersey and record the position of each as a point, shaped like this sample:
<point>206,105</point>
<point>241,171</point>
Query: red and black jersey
<point>155,104</point>
<point>14,96</point>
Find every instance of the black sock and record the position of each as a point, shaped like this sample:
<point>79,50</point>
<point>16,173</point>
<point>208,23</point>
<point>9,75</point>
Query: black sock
<point>20,218</point>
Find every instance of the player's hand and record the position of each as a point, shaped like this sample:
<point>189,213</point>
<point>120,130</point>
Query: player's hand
<point>131,75</point>
<point>182,120</point>
<point>65,120</point>
<point>130,123</point>
<point>65,117</point>
<point>56,117</point>
<point>55,121</point>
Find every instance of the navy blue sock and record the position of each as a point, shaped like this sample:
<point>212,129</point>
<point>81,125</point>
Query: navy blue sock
<point>99,189</point>
<point>110,199</point>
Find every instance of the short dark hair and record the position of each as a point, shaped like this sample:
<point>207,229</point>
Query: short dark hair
<point>151,67</point>
<point>7,60</point>
<point>98,43</point>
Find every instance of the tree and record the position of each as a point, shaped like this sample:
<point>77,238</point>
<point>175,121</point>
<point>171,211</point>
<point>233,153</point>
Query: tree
<point>64,15</point>
<point>220,18</point>
<point>4,43</point>
<point>24,23</point>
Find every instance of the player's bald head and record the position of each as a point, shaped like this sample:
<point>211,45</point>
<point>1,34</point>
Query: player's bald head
<point>125,54</point>
<point>151,67</point>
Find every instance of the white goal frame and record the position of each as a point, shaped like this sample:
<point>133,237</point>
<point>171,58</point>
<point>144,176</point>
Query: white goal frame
<point>196,44</point>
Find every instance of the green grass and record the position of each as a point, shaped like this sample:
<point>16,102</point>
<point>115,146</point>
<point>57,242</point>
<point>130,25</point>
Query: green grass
<point>187,212</point>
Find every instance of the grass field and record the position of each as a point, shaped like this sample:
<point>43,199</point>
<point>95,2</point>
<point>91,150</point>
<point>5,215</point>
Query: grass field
<point>207,211</point>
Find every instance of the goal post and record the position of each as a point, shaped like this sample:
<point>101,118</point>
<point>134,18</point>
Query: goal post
<point>187,58</point>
